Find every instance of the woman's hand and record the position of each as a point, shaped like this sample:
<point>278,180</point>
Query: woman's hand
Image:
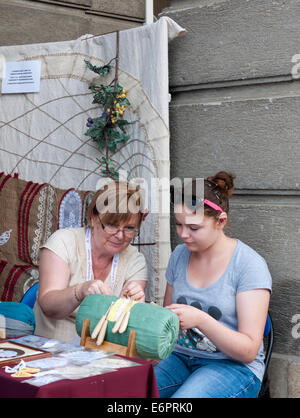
<point>92,287</point>
<point>188,316</point>
<point>134,290</point>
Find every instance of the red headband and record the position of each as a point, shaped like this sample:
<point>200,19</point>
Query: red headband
<point>213,205</point>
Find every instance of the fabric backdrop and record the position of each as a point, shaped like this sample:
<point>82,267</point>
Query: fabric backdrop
<point>43,141</point>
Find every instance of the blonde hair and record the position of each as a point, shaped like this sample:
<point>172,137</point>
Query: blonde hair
<point>116,202</point>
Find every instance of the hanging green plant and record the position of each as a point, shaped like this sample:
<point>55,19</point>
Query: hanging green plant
<point>108,129</point>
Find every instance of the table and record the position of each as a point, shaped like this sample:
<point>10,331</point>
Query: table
<point>130,382</point>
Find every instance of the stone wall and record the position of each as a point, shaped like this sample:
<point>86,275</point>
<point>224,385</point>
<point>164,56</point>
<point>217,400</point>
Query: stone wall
<point>34,21</point>
<point>26,22</point>
<point>235,106</point>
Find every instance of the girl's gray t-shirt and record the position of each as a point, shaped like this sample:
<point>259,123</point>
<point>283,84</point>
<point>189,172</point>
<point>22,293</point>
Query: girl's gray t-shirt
<point>247,270</point>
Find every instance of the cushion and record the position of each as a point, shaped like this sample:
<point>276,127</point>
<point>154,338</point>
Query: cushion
<point>156,327</point>
<point>17,319</point>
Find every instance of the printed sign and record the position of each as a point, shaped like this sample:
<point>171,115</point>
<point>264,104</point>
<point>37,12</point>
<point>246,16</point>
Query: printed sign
<point>21,77</point>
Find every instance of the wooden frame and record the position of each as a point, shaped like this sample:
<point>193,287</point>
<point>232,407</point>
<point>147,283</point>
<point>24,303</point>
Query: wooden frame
<point>25,353</point>
<point>88,342</point>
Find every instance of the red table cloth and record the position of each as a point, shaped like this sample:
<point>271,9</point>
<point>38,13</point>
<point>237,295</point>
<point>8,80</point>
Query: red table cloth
<point>130,382</point>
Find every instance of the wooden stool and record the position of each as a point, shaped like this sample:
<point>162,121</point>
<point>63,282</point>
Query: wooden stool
<point>88,342</point>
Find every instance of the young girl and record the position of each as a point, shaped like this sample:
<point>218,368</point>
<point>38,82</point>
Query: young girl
<point>220,289</point>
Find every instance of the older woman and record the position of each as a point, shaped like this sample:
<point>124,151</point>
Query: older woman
<point>77,262</point>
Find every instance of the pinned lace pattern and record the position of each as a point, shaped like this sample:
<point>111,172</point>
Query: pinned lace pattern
<point>70,211</point>
<point>4,237</point>
<point>44,223</point>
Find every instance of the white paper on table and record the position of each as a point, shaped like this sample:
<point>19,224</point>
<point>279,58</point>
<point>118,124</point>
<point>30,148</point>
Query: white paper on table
<point>48,363</point>
<point>85,356</point>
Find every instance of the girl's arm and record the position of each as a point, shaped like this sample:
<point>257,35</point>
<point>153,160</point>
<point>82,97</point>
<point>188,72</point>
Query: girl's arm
<point>243,344</point>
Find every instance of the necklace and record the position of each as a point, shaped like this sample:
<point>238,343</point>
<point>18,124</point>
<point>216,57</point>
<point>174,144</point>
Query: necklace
<point>89,265</point>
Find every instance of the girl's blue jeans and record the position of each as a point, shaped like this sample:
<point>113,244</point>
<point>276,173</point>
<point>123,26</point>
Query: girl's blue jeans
<point>182,376</point>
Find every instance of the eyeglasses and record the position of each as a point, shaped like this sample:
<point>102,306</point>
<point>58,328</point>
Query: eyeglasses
<point>128,231</point>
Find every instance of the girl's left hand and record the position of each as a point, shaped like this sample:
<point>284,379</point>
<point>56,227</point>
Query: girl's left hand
<point>189,317</point>
<point>134,291</point>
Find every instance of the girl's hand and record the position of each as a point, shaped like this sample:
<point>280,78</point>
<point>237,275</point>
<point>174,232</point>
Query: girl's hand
<point>134,290</point>
<point>189,317</point>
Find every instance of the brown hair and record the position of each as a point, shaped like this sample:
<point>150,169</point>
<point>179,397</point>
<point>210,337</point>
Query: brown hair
<point>218,189</point>
<point>113,202</point>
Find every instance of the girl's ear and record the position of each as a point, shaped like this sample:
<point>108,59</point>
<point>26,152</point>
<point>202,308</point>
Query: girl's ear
<point>222,220</point>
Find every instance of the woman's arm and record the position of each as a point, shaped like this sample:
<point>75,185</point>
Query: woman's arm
<point>56,298</point>
<point>243,344</point>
